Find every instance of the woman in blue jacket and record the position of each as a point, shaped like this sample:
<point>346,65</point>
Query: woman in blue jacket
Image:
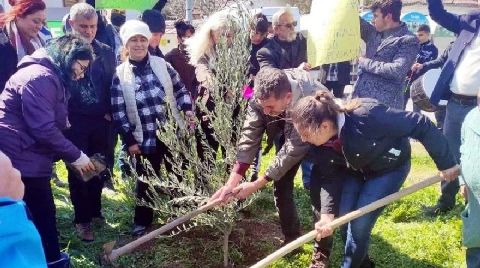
<point>376,147</point>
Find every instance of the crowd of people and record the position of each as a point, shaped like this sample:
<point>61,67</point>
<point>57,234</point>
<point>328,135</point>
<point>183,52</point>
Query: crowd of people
<point>69,98</point>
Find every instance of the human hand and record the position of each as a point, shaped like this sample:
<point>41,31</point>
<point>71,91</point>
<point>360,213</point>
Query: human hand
<point>464,191</point>
<point>134,149</point>
<point>107,117</point>
<point>417,67</point>
<point>451,173</point>
<point>305,66</point>
<point>322,226</point>
<point>223,195</point>
<point>190,118</point>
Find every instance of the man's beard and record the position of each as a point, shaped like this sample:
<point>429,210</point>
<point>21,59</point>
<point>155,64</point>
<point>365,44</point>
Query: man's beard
<point>291,37</point>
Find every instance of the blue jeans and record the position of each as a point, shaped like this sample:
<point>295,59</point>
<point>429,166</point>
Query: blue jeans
<point>359,192</point>
<point>307,167</point>
<point>455,115</point>
<point>473,257</point>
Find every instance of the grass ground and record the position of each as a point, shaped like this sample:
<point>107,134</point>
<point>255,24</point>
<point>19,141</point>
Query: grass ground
<point>402,237</point>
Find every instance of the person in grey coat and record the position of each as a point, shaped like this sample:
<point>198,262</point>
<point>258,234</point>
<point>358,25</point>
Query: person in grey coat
<point>391,51</point>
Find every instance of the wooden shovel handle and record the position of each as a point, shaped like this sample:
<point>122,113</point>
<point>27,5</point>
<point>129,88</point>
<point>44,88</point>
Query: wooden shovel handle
<point>345,219</point>
<point>112,256</point>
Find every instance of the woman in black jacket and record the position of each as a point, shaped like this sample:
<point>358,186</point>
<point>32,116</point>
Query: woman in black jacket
<point>376,147</point>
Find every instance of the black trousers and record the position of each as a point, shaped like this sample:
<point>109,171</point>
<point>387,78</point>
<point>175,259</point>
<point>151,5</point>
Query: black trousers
<point>336,88</point>
<point>144,213</point>
<point>283,194</point>
<point>39,199</point>
<point>91,136</point>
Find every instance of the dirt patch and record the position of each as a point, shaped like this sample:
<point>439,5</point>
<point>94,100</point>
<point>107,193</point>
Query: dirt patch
<point>251,239</point>
<point>254,239</point>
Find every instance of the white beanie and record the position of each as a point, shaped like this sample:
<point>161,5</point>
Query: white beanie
<point>134,27</point>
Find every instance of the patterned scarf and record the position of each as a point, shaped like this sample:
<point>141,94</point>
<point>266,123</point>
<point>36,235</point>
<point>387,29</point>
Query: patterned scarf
<point>21,43</point>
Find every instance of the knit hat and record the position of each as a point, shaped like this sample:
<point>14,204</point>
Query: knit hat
<point>154,19</point>
<point>134,27</point>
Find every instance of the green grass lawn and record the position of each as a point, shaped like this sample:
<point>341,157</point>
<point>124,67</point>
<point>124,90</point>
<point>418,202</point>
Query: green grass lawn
<point>402,237</point>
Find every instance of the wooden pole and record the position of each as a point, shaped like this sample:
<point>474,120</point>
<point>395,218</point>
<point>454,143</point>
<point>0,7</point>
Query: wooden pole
<point>345,219</point>
<point>110,254</point>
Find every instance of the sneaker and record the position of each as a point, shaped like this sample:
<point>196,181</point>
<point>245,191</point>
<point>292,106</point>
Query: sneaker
<point>84,232</point>
<point>436,210</point>
<point>63,262</point>
<point>320,259</point>
<point>139,230</point>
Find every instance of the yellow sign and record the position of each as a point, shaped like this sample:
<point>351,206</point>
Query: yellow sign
<point>333,31</point>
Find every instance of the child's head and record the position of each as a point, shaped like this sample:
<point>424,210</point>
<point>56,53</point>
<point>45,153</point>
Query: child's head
<point>423,33</point>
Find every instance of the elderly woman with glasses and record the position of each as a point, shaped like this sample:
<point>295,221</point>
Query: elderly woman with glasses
<point>33,114</point>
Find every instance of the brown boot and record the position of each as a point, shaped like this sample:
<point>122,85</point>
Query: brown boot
<point>320,258</point>
<point>84,231</point>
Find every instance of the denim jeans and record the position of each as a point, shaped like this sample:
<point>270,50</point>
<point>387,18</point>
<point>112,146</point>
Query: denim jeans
<point>359,192</point>
<point>455,115</point>
<point>473,257</point>
<point>306,173</point>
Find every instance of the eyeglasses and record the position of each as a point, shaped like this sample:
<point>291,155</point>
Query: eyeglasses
<point>83,68</point>
<point>289,25</point>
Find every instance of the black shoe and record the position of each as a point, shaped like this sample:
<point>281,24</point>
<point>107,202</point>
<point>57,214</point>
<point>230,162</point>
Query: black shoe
<point>367,263</point>
<point>139,230</point>
<point>436,210</point>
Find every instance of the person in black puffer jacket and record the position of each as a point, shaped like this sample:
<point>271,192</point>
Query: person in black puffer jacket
<point>375,143</point>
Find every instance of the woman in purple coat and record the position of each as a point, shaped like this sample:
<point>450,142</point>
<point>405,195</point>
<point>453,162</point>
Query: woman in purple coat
<point>33,113</point>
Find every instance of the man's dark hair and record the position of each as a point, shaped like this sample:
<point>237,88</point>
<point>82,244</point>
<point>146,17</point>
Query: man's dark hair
<point>393,7</point>
<point>154,19</point>
<point>423,28</point>
<point>183,27</point>
<point>271,82</point>
<point>260,23</point>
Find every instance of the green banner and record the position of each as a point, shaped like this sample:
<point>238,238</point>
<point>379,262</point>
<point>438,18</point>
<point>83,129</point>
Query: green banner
<point>125,4</point>
<point>55,27</point>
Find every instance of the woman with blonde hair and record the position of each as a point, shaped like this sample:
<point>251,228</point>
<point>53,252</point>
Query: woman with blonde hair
<point>375,142</point>
<point>201,48</point>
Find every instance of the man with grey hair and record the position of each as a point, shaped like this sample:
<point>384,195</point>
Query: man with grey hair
<point>287,49</point>
<point>90,119</point>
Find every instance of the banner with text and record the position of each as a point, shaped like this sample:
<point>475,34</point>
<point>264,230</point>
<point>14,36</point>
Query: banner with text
<point>333,31</point>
